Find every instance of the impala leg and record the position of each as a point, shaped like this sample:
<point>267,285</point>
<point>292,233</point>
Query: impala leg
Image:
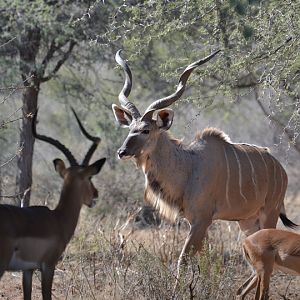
<point>5,255</point>
<point>262,292</point>
<point>247,286</point>
<point>27,284</point>
<point>47,279</point>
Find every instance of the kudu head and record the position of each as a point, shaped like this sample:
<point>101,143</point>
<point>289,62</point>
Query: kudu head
<point>79,175</point>
<point>145,129</point>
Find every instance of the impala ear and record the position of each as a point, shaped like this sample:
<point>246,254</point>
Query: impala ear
<point>123,117</point>
<point>94,168</point>
<point>165,118</point>
<point>60,167</point>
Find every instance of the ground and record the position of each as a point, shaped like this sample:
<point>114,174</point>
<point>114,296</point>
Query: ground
<point>96,266</point>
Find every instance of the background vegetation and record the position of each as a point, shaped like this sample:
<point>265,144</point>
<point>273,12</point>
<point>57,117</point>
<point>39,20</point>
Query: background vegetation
<point>54,54</point>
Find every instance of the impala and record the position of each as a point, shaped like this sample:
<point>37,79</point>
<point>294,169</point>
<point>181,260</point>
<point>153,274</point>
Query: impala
<point>209,179</point>
<point>266,250</point>
<point>35,237</point>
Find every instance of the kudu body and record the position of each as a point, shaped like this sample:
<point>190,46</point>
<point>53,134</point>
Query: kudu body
<point>266,250</point>
<point>209,179</point>
<point>35,237</point>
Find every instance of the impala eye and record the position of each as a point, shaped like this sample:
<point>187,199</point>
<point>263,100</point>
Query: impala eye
<point>146,131</point>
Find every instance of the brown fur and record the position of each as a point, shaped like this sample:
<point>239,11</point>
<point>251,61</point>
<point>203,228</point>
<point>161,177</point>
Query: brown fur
<point>214,133</point>
<point>266,250</point>
<point>35,237</point>
<point>209,179</point>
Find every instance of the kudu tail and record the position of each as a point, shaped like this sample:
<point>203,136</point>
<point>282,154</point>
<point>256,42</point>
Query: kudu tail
<point>287,222</point>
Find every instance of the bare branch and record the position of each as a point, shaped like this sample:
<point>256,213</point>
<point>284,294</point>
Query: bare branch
<point>266,55</point>
<point>65,56</point>
<point>8,42</point>
<point>288,132</point>
<point>12,158</point>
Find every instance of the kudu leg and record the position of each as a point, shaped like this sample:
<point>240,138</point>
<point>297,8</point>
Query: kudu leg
<point>249,226</point>
<point>193,244</point>
<point>268,219</point>
<point>47,279</point>
<point>27,284</point>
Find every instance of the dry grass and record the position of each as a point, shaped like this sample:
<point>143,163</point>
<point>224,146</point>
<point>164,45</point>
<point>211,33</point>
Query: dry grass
<point>94,266</point>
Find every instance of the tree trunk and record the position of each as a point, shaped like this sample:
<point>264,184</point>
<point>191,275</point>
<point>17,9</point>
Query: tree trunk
<point>24,176</point>
<point>28,48</point>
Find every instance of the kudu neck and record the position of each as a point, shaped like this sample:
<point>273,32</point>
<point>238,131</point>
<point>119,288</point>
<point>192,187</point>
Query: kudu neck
<point>168,158</point>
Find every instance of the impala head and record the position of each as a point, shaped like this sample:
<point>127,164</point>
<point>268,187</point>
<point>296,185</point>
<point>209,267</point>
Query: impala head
<point>145,129</point>
<point>79,175</point>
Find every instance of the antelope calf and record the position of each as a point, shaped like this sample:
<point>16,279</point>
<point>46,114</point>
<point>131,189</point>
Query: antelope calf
<point>35,237</point>
<point>209,179</point>
<point>266,250</point>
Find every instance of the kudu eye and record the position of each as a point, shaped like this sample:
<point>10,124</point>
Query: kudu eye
<point>146,131</point>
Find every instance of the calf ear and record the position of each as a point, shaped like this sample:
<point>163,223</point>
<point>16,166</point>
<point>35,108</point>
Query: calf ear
<point>165,118</point>
<point>60,167</point>
<point>95,168</point>
<point>123,117</point>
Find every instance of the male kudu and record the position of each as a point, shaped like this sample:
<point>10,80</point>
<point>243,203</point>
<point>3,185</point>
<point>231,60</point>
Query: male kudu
<point>35,237</point>
<point>209,179</point>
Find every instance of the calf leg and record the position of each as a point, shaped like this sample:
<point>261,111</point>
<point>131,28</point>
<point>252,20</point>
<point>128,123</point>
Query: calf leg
<point>263,264</point>
<point>262,291</point>
<point>247,286</point>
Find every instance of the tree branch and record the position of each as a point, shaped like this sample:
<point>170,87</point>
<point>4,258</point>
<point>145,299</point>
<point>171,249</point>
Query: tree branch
<point>288,133</point>
<point>266,55</point>
<point>65,56</point>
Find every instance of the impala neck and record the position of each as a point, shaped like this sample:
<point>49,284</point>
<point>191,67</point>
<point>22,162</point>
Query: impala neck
<point>69,206</point>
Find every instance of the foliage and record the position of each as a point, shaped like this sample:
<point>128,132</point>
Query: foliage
<point>259,39</point>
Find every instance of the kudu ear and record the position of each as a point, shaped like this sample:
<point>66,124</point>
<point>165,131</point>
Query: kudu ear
<point>123,117</point>
<point>165,118</point>
<point>94,168</point>
<point>60,167</point>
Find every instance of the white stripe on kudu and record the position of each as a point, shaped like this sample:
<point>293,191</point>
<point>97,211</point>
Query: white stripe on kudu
<point>266,167</point>
<point>228,177</point>
<point>253,177</point>
<point>281,188</point>
<point>240,172</point>
<point>275,181</point>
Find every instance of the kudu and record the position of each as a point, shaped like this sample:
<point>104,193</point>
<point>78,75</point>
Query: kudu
<point>35,237</point>
<point>209,179</point>
<point>266,250</point>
